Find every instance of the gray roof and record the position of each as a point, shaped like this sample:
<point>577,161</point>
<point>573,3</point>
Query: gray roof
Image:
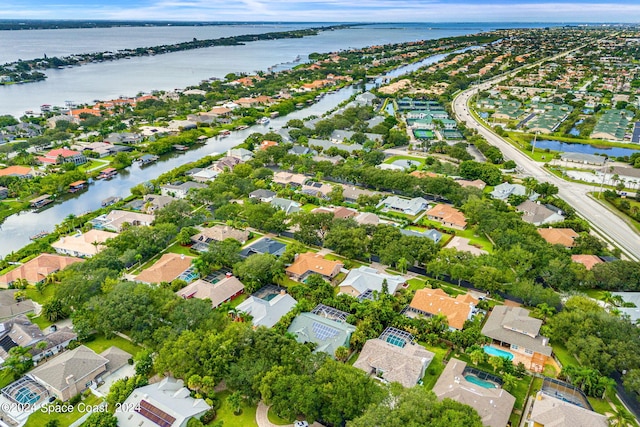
<point>117,358</point>
<point>412,206</point>
<point>56,338</point>
<point>264,246</point>
<point>504,190</point>
<point>288,206</point>
<point>434,235</point>
<point>583,158</point>
<point>494,405</point>
<point>267,313</point>
<point>79,363</point>
<point>262,194</point>
<point>9,307</point>
<point>364,278</point>
<point>405,365</point>
<point>325,144</point>
<point>553,412</point>
<point>537,214</point>
<point>514,326</point>
<point>328,334</point>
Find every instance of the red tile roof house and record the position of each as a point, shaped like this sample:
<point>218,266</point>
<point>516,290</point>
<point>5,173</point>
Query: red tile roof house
<point>62,155</point>
<point>37,269</point>
<point>310,263</point>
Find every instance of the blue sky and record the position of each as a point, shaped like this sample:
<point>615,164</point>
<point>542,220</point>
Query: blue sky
<point>329,10</point>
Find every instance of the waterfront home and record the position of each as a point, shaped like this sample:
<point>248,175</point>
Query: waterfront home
<point>153,202</point>
<point>83,245</point>
<point>70,373</point>
<point>205,175</point>
<point>226,163</point>
<point>169,267</point>
<point>518,337</point>
<point>240,153</point>
<point>366,279</point>
<point>180,190</point>
<point>311,263</point>
<point>116,220</point>
<point>431,302</point>
<point>559,236</point>
<point>464,385</point>
<point>62,155</point>
<point>267,311</point>
<point>18,171</point>
<point>405,364</point>
<point>37,269</point>
<point>167,403</point>
<point>218,293</point>
<point>328,334</point>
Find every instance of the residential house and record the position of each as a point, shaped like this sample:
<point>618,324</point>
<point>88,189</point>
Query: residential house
<point>166,403</point>
<point>587,260</point>
<point>511,328</point>
<point>583,158</point>
<point>432,302</point>
<point>70,373</point>
<point>405,364</point>
<point>18,332</point>
<point>205,175</point>
<point>326,333</point>
<point>265,245</point>
<point>493,404</point>
<point>63,155</point>
<point>267,312</point>
<point>406,206</point>
<point>218,293</point>
<point>10,307</point>
<point>226,163</point>
<point>217,233</point>
<point>339,212</point>
<point>116,219</point>
<point>240,153</point>
<point>83,245</point>
<point>559,236</point>
<point>434,235</point>
<point>180,190</point>
<point>264,196</point>
<point>504,190</point>
<point>289,179</point>
<point>476,183</point>
<point>312,263</point>
<point>537,214</point>
<point>550,411</point>
<point>300,150</point>
<point>168,268</point>
<point>37,269</point>
<point>363,279</point>
<point>448,216</point>
<point>266,144</point>
<point>367,218</point>
<point>18,171</point>
<point>324,145</point>
<point>351,194</point>
<point>316,189</point>
<point>288,206</point>
<point>55,343</point>
<point>153,202</point>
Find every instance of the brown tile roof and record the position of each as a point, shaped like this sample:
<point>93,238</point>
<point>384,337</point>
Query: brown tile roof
<point>38,268</point>
<point>448,214</point>
<point>220,233</point>
<point>16,170</point>
<point>168,268</point>
<point>424,174</point>
<point>559,236</point>
<point>313,262</point>
<point>587,260</point>
<point>434,301</point>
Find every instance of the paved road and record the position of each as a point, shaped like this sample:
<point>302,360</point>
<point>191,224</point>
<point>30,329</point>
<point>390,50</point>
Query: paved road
<point>263,420</point>
<point>604,222</point>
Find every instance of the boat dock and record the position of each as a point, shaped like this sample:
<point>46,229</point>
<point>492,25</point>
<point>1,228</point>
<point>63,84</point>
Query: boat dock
<point>41,201</point>
<point>147,159</point>
<point>77,186</point>
<point>107,173</point>
<point>110,201</point>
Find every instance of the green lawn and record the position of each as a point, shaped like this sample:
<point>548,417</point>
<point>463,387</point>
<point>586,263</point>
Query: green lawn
<point>521,391</point>
<point>309,207</point>
<point>40,298</point>
<point>39,418</point>
<point>600,406</point>
<point>237,300</point>
<point>275,419</point>
<point>436,366</point>
<point>6,378</point>
<point>415,284</point>
<point>394,158</point>
<point>246,419</point>
<point>474,239</point>
<point>99,343</point>
<point>563,355</point>
<point>346,261</point>
<point>177,248</point>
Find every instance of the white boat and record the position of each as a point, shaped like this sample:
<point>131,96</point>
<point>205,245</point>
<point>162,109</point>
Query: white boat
<point>263,121</point>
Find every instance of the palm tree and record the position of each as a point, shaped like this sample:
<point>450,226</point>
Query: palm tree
<point>508,381</point>
<point>545,311</point>
<point>621,417</point>
<point>478,356</point>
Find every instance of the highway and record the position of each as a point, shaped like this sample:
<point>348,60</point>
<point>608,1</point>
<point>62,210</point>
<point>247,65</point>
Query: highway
<point>604,222</point>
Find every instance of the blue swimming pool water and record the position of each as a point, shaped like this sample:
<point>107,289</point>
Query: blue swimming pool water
<point>477,381</point>
<point>492,351</point>
<point>25,396</point>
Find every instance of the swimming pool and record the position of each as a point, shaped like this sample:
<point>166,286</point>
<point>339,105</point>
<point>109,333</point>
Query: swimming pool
<point>493,351</point>
<point>26,396</point>
<point>477,381</point>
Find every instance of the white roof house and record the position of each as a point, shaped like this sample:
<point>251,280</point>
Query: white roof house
<point>267,313</point>
<point>407,206</point>
<point>83,245</point>
<point>167,403</point>
<point>363,278</point>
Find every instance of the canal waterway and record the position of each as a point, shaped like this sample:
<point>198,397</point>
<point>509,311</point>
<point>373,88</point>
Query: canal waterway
<point>584,148</point>
<point>16,229</point>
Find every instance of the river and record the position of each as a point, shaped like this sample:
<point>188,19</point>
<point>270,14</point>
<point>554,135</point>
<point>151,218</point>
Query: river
<point>16,229</point>
<point>127,77</point>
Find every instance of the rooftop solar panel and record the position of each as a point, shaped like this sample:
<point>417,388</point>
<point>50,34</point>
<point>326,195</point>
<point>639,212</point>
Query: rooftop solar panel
<point>154,414</point>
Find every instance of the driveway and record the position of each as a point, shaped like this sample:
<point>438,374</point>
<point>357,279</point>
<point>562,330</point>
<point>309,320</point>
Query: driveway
<point>263,420</point>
